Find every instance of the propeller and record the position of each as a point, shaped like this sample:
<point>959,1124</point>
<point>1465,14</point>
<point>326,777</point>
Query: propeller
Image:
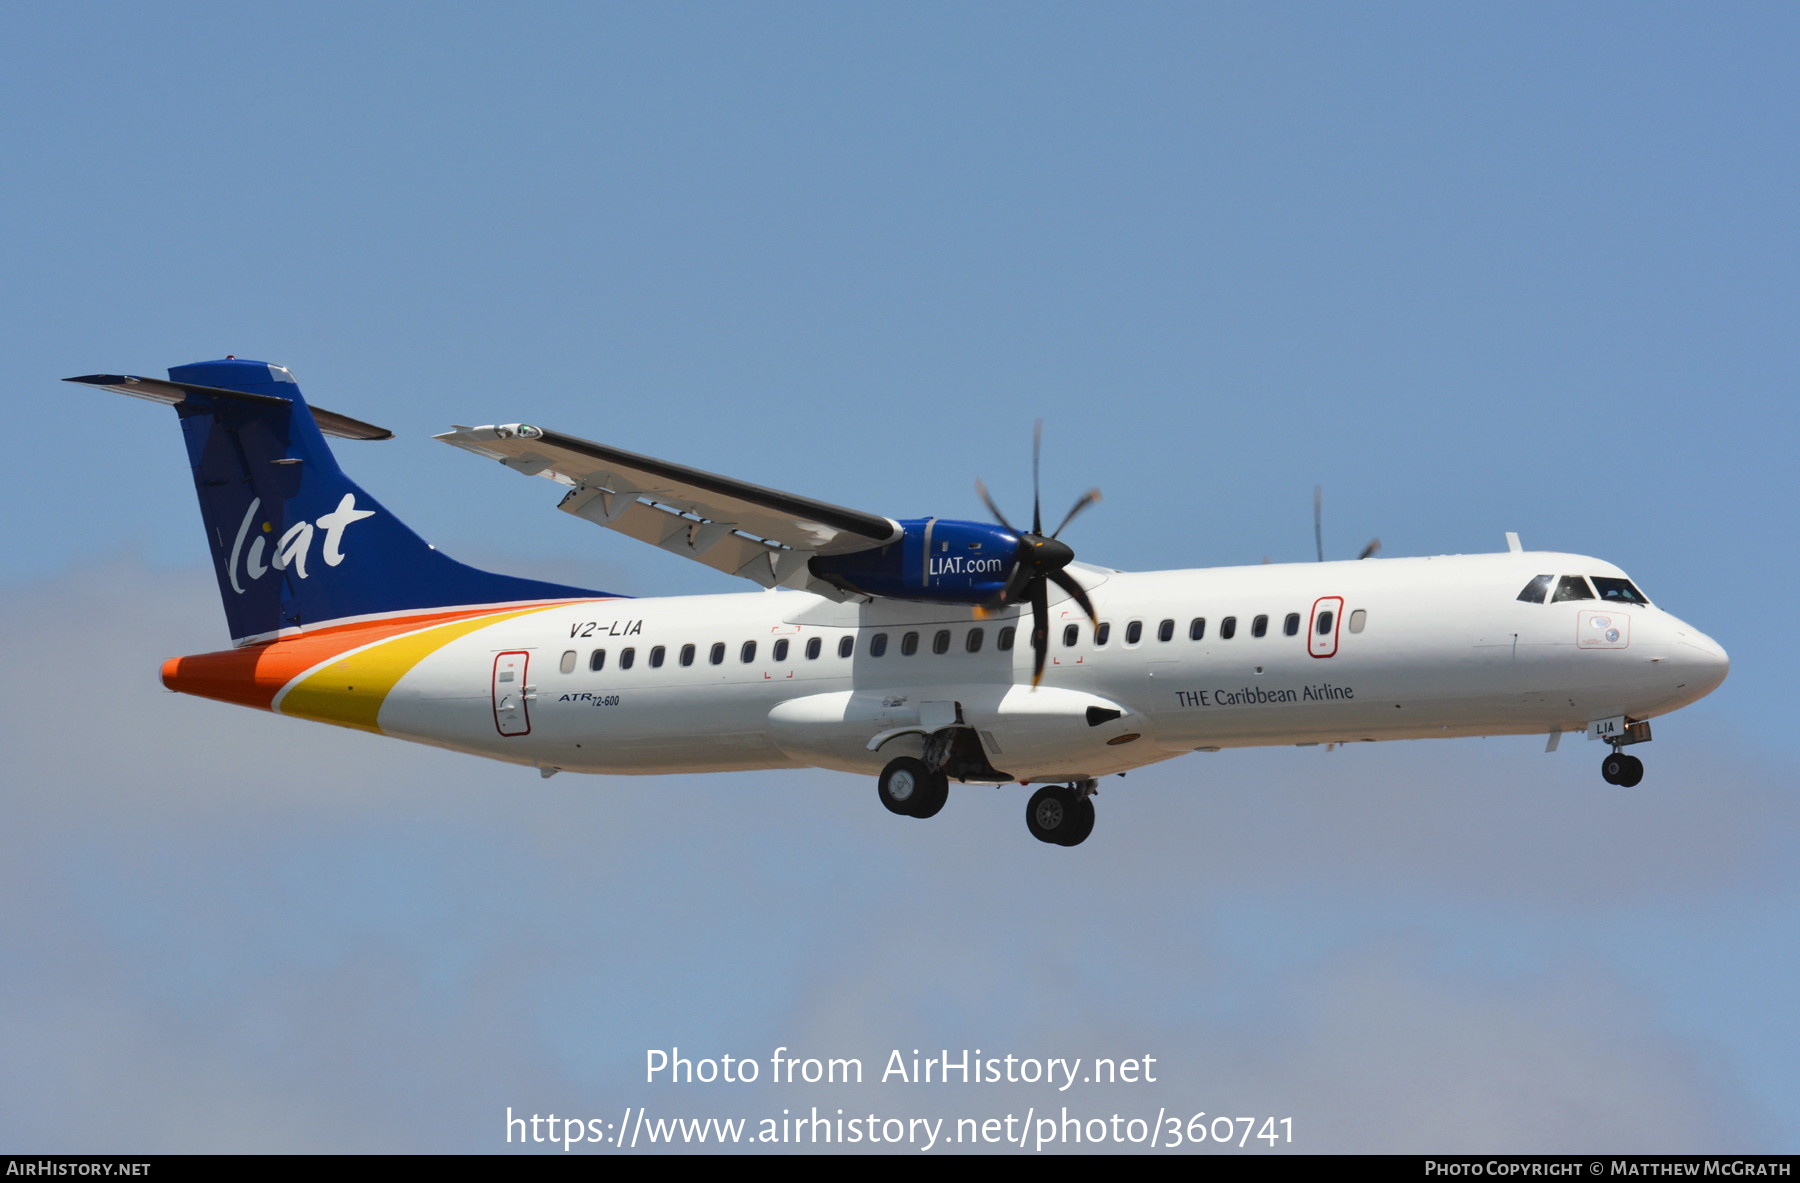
<point>1374,544</point>
<point>1040,561</point>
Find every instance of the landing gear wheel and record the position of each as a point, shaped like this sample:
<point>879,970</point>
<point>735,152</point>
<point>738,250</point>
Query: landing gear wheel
<point>1084,823</point>
<point>1058,815</point>
<point>932,797</point>
<point>1622,770</point>
<point>910,788</point>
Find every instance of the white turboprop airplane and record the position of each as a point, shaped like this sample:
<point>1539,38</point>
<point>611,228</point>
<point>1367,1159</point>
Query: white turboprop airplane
<point>919,652</point>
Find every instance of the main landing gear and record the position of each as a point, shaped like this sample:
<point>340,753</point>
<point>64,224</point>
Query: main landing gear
<point>912,788</point>
<point>1062,815</point>
<point>1622,770</point>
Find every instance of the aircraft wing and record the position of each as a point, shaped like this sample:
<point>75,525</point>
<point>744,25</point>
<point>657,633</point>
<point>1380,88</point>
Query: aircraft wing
<point>761,534</point>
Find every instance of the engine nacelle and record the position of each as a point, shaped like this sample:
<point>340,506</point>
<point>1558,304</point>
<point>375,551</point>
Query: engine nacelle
<point>935,560</point>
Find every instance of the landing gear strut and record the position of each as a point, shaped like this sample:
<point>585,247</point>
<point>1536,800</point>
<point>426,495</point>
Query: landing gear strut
<point>1622,770</point>
<point>912,788</point>
<point>1062,815</point>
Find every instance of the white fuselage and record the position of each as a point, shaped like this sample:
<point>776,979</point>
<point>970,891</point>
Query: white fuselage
<point>1412,648</point>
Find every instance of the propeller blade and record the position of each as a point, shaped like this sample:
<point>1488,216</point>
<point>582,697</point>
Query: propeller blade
<point>1067,582</point>
<point>1374,545</point>
<point>1319,520</point>
<point>981,490</point>
<point>1040,629</point>
<point>1087,499</point>
<point>1037,449</point>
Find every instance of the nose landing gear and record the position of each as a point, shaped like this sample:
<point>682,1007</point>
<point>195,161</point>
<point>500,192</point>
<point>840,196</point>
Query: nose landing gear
<point>1620,732</point>
<point>1622,770</point>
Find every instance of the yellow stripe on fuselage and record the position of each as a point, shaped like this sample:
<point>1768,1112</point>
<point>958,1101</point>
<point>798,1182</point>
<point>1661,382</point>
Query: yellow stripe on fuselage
<point>350,691</point>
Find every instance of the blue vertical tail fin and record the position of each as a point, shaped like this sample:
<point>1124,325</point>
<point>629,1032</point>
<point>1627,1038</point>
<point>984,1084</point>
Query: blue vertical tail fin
<point>295,543</point>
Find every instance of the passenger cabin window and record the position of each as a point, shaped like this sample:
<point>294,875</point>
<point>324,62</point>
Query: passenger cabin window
<point>1197,628</point>
<point>813,646</point>
<point>1323,628</point>
<point>1537,589</point>
<point>1358,618</point>
<point>1571,587</point>
<point>717,656</point>
<point>1291,626</point>
<point>1103,632</point>
<point>626,658</point>
<point>973,641</point>
<point>1228,628</point>
<point>1004,642</point>
<point>748,653</point>
<point>781,648</point>
<point>846,645</point>
<point>597,660</point>
<point>1165,631</point>
<point>1620,591</point>
<point>1134,632</point>
<point>940,644</point>
<point>1071,634</point>
<point>656,657</point>
<point>909,644</point>
<point>568,662</point>
<point>1259,627</point>
<point>878,645</point>
<point>687,655</point>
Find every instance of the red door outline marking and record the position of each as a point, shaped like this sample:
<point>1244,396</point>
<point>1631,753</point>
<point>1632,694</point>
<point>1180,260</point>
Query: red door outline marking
<point>1324,645</point>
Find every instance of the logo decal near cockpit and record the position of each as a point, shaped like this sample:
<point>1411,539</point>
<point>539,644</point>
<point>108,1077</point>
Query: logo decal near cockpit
<point>1603,630</point>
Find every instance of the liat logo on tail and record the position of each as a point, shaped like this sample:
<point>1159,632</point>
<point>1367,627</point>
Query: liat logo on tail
<point>295,543</point>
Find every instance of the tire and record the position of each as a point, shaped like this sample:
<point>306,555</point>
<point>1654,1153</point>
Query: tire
<point>936,793</point>
<point>1052,814</point>
<point>905,785</point>
<point>1613,768</point>
<point>1633,773</point>
<point>1083,823</point>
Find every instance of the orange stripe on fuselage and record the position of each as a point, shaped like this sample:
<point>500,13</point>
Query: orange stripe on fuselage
<point>254,675</point>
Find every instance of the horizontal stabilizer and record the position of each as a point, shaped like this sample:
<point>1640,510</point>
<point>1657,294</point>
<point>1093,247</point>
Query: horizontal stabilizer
<point>175,393</point>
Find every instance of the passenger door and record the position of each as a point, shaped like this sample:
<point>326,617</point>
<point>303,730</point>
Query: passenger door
<point>512,712</point>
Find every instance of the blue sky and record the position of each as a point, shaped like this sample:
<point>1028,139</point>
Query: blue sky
<point>1473,269</point>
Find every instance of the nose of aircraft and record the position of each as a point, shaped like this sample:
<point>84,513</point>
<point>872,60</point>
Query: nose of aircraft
<point>1701,659</point>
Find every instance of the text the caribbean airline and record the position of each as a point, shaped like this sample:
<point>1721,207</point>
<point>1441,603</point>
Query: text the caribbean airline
<point>920,651</point>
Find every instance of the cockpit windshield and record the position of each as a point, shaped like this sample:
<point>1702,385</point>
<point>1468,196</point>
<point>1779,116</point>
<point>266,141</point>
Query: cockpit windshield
<point>1620,591</point>
<point>1536,590</point>
<point>1571,587</point>
<point>1577,587</point>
